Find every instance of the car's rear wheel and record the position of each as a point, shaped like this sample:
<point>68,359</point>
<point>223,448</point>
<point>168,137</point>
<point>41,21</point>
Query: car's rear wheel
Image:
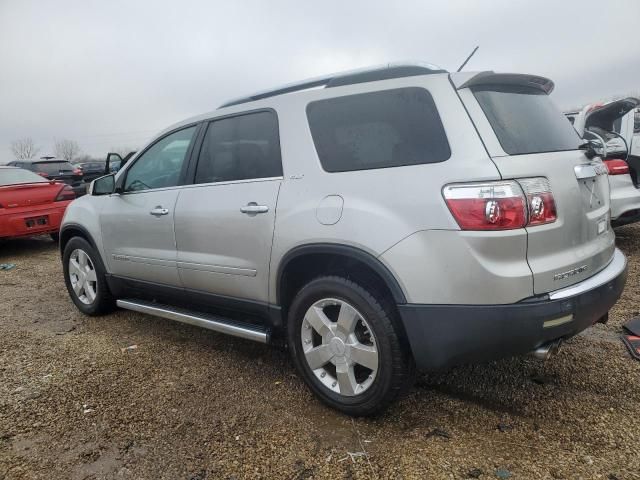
<point>84,276</point>
<point>347,346</point>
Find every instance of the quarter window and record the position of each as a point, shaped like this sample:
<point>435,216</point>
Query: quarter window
<point>160,165</point>
<point>390,128</point>
<point>240,148</point>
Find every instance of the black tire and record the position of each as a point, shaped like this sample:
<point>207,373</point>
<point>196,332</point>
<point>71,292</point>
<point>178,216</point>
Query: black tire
<point>396,368</point>
<point>103,302</point>
<point>55,237</point>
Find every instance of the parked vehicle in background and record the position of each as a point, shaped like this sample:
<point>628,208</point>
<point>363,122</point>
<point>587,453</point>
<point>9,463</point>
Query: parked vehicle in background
<point>30,204</point>
<point>376,221</point>
<point>91,170</point>
<point>60,170</point>
<point>612,124</point>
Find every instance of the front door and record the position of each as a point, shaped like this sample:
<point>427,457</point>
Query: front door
<point>224,222</point>
<point>138,223</point>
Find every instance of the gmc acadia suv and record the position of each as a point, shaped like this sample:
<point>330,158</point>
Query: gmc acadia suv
<point>377,221</point>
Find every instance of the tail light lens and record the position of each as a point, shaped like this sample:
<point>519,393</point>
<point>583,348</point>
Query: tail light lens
<point>540,202</point>
<point>616,166</point>
<point>66,193</point>
<point>501,205</point>
<point>42,174</point>
<point>487,206</point>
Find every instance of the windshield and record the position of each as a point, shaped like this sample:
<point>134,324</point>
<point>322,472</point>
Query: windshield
<point>52,168</point>
<point>525,120</point>
<point>14,176</point>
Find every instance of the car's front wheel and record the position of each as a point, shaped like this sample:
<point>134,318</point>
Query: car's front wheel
<point>84,276</point>
<point>347,346</point>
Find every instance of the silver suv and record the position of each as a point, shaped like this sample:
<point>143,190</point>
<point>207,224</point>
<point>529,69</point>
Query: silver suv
<point>377,222</point>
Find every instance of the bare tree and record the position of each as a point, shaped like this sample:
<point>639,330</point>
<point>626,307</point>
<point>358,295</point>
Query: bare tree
<point>24,148</point>
<point>67,149</point>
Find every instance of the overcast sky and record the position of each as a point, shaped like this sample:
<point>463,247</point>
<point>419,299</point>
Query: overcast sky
<point>113,73</point>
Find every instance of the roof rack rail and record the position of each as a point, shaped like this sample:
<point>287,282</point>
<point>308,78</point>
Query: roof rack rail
<point>371,74</point>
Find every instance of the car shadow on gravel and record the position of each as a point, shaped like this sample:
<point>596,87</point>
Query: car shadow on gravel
<point>26,246</point>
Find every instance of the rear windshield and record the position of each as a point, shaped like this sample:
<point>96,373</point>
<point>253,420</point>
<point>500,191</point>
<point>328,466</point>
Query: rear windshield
<point>382,129</point>
<point>525,120</point>
<point>52,168</point>
<point>14,176</point>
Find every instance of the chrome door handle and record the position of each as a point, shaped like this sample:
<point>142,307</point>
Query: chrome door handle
<point>159,211</point>
<point>252,208</point>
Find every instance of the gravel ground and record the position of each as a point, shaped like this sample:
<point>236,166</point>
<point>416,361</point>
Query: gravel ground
<point>192,404</point>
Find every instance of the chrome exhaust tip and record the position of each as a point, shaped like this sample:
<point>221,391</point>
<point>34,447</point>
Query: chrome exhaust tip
<point>546,351</point>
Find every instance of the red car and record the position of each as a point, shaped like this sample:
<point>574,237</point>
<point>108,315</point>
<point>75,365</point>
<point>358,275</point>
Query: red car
<point>30,204</point>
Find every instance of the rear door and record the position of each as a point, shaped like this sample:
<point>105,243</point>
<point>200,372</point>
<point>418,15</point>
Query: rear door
<point>527,137</point>
<point>225,220</point>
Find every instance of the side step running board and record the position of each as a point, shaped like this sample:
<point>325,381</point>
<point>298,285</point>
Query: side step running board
<point>210,322</point>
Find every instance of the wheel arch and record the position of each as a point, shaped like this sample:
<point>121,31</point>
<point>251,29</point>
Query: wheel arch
<point>68,231</point>
<point>324,251</point>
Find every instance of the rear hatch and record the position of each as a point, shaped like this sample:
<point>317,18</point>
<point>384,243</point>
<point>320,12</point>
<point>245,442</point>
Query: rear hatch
<point>613,124</point>
<point>528,137</point>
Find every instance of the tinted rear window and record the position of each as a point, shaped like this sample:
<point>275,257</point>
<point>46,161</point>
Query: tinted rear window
<point>240,148</point>
<point>52,168</point>
<point>14,176</point>
<point>383,129</point>
<point>525,120</point>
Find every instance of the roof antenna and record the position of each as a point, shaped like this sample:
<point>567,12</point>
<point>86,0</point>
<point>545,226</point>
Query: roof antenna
<point>468,58</point>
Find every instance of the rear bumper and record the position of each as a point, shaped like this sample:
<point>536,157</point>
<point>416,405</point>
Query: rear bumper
<point>15,223</point>
<point>442,336</point>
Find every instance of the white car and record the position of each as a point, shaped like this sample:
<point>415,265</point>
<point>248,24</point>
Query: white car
<point>613,124</point>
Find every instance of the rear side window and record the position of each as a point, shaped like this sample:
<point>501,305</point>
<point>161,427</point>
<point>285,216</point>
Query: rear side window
<point>525,120</point>
<point>240,148</point>
<point>383,129</point>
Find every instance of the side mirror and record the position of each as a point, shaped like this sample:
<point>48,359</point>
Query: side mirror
<point>103,186</point>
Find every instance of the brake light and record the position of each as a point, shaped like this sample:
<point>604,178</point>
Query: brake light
<point>42,174</point>
<point>66,193</point>
<point>487,206</point>
<point>501,205</point>
<point>616,166</point>
<point>540,202</point>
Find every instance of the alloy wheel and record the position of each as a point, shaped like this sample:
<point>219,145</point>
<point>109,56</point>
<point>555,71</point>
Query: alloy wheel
<point>82,275</point>
<point>339,347</point>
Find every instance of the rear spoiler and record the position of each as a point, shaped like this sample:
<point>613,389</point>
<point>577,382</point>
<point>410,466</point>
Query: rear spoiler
<point>488,78</point>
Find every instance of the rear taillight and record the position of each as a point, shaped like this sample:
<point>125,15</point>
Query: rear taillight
<point>42,174</point>
<point>501,205</point>
<point>616,166</point>
<point>540,202</point>
<point>487,206</point>
<point>66,193</point>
